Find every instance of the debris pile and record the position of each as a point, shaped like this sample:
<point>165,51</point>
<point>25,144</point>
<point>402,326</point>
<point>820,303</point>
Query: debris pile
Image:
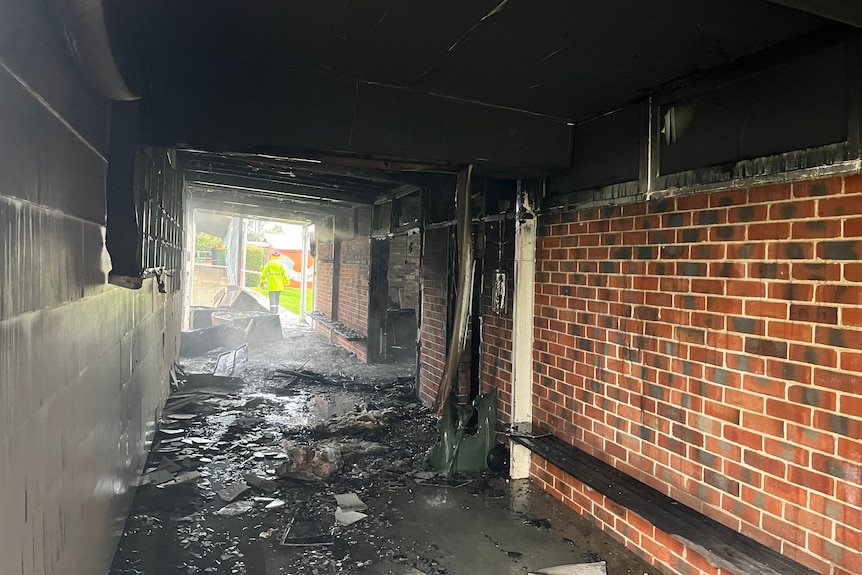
<point>238,466</point>
<point>281,458</point>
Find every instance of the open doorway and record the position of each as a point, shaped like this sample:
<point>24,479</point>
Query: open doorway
<point>232,249</point>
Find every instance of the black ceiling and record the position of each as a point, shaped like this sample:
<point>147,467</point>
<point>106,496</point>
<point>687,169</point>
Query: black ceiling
<point>437,83</point>
<point>562,58</point>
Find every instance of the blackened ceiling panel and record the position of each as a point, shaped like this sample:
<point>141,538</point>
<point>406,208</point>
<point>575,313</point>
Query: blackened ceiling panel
<point>766,114</point>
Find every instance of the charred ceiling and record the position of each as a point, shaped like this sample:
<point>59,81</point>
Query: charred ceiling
<point>379,91</point>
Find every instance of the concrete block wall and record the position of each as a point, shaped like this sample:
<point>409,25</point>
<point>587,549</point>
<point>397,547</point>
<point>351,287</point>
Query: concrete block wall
<point>710,345</point>
<point>83,365</point>
<point>432,326</point>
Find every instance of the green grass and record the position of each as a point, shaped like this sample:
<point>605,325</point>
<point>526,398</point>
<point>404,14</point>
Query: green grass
<point>290,298</point>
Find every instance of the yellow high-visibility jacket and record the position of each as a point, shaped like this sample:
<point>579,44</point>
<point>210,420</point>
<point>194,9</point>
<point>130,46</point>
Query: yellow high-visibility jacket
<point>273,276</point>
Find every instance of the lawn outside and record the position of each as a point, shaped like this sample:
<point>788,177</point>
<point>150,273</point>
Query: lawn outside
<point>290,298</point>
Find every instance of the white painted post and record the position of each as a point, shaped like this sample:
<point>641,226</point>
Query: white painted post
<point>522,328</point>
<point>303,282</point>
<point>242,249</point>
<point>189,271</point>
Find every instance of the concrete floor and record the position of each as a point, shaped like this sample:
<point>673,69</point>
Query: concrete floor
<point>490,525</point>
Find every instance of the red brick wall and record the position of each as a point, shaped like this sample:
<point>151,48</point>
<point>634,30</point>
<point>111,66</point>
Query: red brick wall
<point>432,330</point>
<point>497,327</point>
<point>403,275</point>
<point>323,280</point>
<point>711,346</point>
<point>353,284</point>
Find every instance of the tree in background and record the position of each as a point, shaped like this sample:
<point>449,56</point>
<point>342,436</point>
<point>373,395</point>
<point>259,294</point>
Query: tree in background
<point>254,258</point>
<point>206,242</point>
<point>256,229</point>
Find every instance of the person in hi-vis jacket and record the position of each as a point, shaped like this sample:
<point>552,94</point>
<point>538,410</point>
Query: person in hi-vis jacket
<point>274,278</point>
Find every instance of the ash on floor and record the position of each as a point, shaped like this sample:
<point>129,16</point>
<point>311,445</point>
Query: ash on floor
<point>244,472</point>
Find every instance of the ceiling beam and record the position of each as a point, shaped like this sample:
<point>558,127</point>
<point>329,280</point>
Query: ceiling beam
<point>310,113</point>
<point>289,190</point>
<point>838,10</point>
<point>236,202</point>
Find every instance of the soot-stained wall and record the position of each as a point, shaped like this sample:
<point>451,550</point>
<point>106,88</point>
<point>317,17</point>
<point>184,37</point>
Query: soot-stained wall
<point>83,365</point>
<point>710,345</point>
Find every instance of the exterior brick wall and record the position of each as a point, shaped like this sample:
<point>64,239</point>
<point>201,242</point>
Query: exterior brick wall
<point>710,345</point>
<point>353,284</point>
<point>432,329</point>
<point>497,327</point>
<point>404,260</point>
<point>638,535</point>
<point>323,280</point>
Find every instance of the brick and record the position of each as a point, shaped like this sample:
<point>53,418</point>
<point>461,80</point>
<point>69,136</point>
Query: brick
<point>743,437</point>
<point>837,424</point>
<point>790,331</point>
<point>843,294</point>
<point>770,231</point>
<point>851,405</point>
<point>817,188</point>
<point>769,465</point>
<point>771,348</point>
<point>810,480</point>
<point>784,490</point>
<point>792,210</point>
<point>690,335</point>
<point>728,233</point>
<point>840,206</point>
<point>707,251</point>
<point>769,193</point>
<point>837,468</point>
<point>812,313</point>
<point>764,385</point>
<point>786,250</point>
<point>819,271</point>
<point>850,449</point>
<point>840,250</point>
<point>792,412</point>
<point>837,337</point>
<point>787,451</point>
<point>768,270</point>
<point>762,423</point>
<point>851,361</point>
<point>791,291</point>
<point>816,229</point>
<point>751,251</point>
<point>852,317</point>
<point>745,363</point>
<point>691,235</point>
<point>747,213</point>
<point>777,310</point>
<point>813,396</point>
<point>818,356</point>
<point>852,272</point>
<point>728,198</point>
<point>852,184</point>
<point>804,436</point>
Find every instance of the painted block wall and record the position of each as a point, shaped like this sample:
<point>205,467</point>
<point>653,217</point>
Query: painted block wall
<point>83,365</point>
<point>432,325</point>
<point>710,345</point>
